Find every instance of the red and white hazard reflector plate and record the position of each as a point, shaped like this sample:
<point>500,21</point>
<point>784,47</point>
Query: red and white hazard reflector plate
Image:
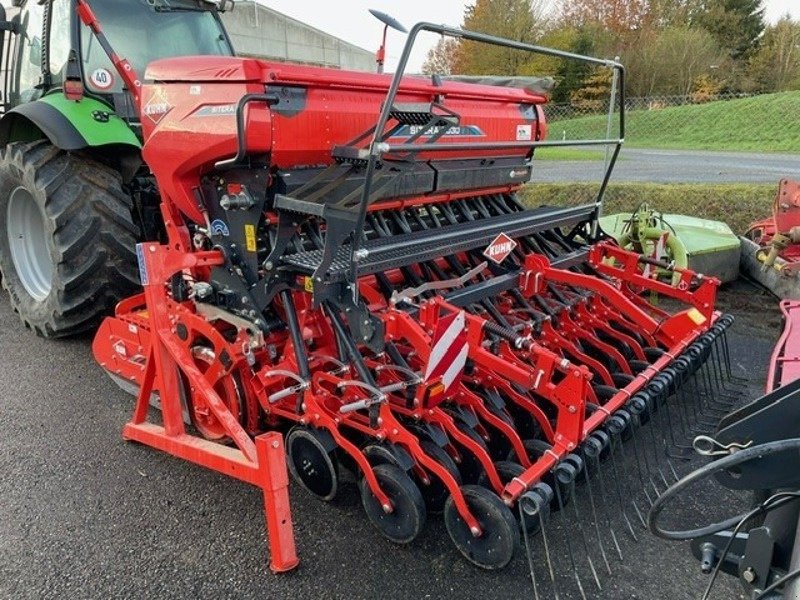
<point>448,351</point>
<point>500,248</point>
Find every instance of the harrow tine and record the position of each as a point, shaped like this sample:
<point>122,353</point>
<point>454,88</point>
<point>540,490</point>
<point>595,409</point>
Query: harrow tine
<point>559,472</point>
<point>678,450</point>
<point>667,412</point>
<point>715,383</point>
<point>607,443</point>
<point>616,425</point>
<point>592,449</point>
<point>614,442</point>
<point>528,551</point>
<point>696,400</point>
<point>711,391</point>
<point>535,502</point>
<point>716,365</point>
<point>686,450</point>
<point>636,406</point>
<point>652,403</point>
<point>663,384</point>
<point>725,322</point>
<point>595,520</point>
<point>713,408</point>
<point>717,349</point>
<point>666,406</point>
<point>576,463</point>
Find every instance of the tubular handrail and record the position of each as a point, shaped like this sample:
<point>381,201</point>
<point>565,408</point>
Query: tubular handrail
<point>377,147</point>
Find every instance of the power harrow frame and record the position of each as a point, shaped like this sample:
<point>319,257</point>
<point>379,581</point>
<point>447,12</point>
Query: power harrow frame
<point>382,332</point>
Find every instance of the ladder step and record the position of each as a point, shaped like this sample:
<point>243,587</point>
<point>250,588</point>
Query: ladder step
<point>421,113</point>
<point>350,154</point>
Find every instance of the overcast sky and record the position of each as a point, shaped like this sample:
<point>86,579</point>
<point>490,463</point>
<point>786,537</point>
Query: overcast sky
<point>349,19</point>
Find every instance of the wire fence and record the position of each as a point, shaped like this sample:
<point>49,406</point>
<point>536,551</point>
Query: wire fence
<point>587,108</point>
<point>735,122</point>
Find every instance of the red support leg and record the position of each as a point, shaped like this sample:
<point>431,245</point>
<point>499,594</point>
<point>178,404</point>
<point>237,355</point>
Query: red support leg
<point>274,481</point>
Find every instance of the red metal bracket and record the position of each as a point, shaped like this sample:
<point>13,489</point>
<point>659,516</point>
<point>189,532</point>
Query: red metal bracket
<point>123,66</point>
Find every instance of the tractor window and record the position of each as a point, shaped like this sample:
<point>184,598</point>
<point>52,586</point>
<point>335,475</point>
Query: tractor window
<point>145,30</point>
<point>30,51</point>
<point>60,42</point>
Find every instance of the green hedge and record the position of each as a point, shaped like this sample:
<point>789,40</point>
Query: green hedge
<point>738,205</point>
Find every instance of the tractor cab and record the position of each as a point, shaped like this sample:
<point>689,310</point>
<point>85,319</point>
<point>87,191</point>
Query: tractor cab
<point>47,48</point>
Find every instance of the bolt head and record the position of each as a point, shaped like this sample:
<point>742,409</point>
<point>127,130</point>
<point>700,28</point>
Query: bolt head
<point>749,575</point>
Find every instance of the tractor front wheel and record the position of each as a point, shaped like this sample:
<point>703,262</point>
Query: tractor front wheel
<point>67,239</point>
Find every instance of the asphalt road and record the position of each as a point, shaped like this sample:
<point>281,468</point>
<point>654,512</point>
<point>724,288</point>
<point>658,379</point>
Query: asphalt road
<point>85,515</point>
<point>676,166</point>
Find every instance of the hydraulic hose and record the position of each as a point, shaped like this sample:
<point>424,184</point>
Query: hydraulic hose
<point>723,464</point>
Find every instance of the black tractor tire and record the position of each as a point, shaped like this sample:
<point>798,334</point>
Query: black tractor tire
<point>83,218</point>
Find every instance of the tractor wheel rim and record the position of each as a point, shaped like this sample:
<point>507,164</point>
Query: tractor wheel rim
<point>28,242</point>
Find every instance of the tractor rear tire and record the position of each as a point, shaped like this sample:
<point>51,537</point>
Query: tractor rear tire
<point>67,238</point>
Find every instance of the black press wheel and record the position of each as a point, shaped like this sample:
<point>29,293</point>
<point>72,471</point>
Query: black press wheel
<point>311,464</point>
<point>405,521</point>
<point>498,542</point>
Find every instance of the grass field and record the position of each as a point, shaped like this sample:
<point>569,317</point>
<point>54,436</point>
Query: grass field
<point>736,204</point>
<point>767,123</point>
<point>581,154</point>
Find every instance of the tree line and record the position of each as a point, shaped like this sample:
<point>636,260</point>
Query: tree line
<point>698,48</point>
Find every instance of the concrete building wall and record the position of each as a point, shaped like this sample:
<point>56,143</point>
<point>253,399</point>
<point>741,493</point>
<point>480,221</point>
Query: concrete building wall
<point>257,30</point>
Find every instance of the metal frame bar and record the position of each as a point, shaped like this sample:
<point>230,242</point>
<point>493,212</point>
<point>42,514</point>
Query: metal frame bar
<point>377,148</point>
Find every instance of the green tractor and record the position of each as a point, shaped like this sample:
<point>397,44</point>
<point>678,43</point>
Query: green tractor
<point>74,195</point>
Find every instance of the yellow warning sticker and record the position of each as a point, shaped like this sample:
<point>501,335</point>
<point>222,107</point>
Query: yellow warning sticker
<point>696,316</point>
<point>250,237</point>
<point>309,283</point>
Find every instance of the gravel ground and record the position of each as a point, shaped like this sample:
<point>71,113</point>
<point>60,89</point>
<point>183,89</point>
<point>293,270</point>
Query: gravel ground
<point>85,515</point>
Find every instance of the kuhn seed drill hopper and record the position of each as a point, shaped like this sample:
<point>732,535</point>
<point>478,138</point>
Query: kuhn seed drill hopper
<point>345,259</point>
